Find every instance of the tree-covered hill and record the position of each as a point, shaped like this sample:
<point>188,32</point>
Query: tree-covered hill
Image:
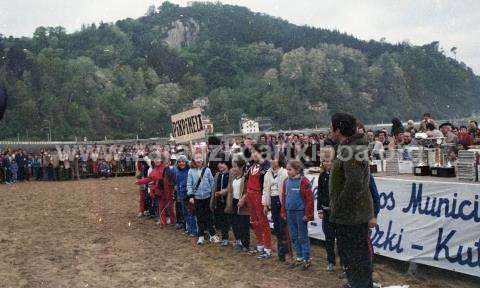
<point>127,78</point>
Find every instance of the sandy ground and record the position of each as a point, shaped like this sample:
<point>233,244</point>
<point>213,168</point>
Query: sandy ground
<point>85,234</point>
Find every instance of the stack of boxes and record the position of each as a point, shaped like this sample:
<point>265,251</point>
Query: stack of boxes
<point>467,165</point>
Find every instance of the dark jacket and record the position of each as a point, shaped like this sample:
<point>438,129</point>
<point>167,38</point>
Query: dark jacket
<point>350,197</point>
<point>219,202</point>
<point>323,199</point>
<point>181,176</point>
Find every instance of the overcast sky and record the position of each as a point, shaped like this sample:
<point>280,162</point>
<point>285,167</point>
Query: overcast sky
<point>455,23</point>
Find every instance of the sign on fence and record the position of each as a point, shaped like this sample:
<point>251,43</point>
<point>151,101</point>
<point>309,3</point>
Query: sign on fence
<point>428,222</point>
<point>188,126</point>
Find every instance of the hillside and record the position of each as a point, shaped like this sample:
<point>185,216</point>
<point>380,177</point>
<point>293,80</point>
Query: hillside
<point>126,78</point>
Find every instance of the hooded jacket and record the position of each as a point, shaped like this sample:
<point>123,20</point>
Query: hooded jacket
<point>350,198</point>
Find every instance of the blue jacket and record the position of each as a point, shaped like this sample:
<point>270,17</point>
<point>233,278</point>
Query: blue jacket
<point>181,176</point>
<point>294,200</point>
<point>375,196</point>
<point>204,190</point>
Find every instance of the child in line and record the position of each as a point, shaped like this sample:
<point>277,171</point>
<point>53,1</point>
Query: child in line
<point>298,211</point>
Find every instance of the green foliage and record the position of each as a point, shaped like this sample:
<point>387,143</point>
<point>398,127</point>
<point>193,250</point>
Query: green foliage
<point>122,80</point>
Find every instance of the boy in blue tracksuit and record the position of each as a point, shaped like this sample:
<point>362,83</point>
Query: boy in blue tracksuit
<point>185,219</point>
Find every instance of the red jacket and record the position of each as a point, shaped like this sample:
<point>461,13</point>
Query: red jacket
<point>307,196</point>
<point>465,138</point>
<point>153,178</point>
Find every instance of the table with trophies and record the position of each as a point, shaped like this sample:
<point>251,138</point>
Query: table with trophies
<point>431,159</point>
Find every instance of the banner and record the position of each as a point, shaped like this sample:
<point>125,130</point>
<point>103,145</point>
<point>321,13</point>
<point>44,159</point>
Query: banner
<point>188,126</point>
<point>428,222</point>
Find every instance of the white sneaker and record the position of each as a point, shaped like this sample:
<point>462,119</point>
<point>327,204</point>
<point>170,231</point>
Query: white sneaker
<point>215,239</point>
<point>139,215</point>
<point>201,240</point>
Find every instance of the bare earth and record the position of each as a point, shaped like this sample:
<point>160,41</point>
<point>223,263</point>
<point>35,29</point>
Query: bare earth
<point>85,234</point>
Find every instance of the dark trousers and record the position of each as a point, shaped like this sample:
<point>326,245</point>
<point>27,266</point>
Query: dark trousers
<point>353,246</point>
<point>279,226</point>
<point>37,173</point>
<point>21,173</point>
<point>50,173</point>
<point>56,174</point>
<point>241,226</point>
<point>179,208</point>
<point>149,204</point>
<point>222,222</point>
<point>204,217</point>
<point>330,235</point>
<point>155,207</point>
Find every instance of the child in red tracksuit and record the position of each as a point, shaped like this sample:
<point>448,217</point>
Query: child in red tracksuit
<point>258,219</point>
<point>166,201</point>
<point>155,180</point>
<point>142,171</point>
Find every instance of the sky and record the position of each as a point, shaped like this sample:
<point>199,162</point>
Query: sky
<point>454,23</point>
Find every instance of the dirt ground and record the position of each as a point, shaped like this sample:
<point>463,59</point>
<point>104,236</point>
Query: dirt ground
<point>86,234</point>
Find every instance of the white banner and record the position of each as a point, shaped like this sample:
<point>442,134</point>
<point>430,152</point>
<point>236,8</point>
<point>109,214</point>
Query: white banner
<point>428,222</point>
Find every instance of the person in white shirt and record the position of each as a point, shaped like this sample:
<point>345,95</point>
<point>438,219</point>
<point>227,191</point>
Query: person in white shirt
<point>237,205</point>
<point>272,193</point>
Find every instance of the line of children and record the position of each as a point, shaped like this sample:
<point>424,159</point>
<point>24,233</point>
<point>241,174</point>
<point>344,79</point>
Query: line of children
<point>234,199</point>
<point>238,198</point>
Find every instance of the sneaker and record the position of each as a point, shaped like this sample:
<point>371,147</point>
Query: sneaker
<point>253,252</point>
<point>139,215</point>
<point>342,275</point>
<point>224,243</point>
<point>281,258</point>
<point>214,239</point>
<point>201,240</point>
<point>330,267</point>
<point>157,222</point>
<point>376,285</point>
<point>264,255</point>
<point>297,262</point>
<point>305,265</point>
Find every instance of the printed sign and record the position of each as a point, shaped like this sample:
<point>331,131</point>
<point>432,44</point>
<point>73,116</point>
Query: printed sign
<point>188,126</point>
